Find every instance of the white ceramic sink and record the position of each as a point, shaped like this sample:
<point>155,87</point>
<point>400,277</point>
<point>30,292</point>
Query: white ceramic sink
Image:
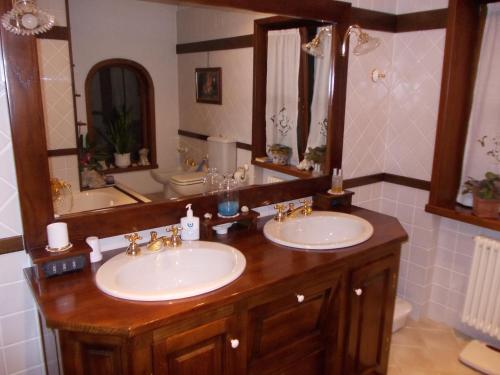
<point>194,268</point>
<point>319,231</point>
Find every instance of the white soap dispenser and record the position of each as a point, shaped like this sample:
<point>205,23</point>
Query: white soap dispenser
<point>190,226</point>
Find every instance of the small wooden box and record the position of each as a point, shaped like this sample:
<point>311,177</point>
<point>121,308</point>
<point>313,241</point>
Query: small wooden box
<point>327,201</point>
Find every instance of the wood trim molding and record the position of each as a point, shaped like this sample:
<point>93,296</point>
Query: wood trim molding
<point>407,181</point>
<point>387,177</point>
<point>62,152</point>
<point>56,33</point>
<point>243,41</point>
<point>11,244</point>
<point>373,20</point>
<point>400,23</point>
<point>203,137</point>
<point>418,21</point>
<point>363,180</point>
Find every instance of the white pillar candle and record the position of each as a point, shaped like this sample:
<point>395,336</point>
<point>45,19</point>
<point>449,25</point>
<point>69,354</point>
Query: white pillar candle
<point>57,235</point>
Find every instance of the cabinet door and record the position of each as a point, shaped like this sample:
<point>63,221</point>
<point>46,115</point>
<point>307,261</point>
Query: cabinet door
<point>294,327</point>
<point>207,349</point>
<point>371,303</point>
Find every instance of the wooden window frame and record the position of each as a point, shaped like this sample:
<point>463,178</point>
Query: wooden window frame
<point>462,48</point>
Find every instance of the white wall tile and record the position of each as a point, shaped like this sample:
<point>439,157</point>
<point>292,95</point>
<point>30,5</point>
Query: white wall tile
<point>15,297</point>
<point>22,356</point>
<point>19,327</point>
<point>11,266</point>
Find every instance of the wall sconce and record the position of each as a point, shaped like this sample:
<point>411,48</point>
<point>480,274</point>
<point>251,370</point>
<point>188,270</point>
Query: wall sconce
<point>26,19</point>
<point>365,44</point>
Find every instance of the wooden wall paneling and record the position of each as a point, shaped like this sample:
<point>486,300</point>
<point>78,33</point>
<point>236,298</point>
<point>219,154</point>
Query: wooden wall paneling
<point>11,244</point>
<point>57,33</point>
<point>20,59</point>
<point>457,86</point>
<point>242,41</point>
<point>373,20</point>
<point>428,20</point>
<point>62,152</point>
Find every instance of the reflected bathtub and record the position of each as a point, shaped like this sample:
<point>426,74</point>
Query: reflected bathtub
<point>94,200</point>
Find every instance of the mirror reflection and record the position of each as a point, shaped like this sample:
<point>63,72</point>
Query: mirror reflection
<point>137,93</point>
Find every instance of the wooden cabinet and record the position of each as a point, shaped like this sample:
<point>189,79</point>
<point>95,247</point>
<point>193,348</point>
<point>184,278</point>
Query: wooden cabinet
<point>293,326</point>
<point>371,296</point>
<point>210,349</point>
<point>330,321</point>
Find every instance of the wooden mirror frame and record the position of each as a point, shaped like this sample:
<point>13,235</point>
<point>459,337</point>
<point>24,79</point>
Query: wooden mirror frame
<point>336,109</point>
<point>19,55</point>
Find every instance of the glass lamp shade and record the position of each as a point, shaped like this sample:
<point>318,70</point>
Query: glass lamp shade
<point>26,19</point>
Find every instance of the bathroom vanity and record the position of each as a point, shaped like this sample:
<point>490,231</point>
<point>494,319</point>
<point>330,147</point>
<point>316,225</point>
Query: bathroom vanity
<point>290,312</point>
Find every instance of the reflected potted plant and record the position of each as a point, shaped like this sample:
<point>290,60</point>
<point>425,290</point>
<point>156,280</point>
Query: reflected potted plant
<point>317,156</point>
<point>486,192</point>
<point>280,154</point>
<point>120,136</point>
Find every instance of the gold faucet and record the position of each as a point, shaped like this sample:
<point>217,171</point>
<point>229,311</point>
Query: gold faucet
<point>175,239</point>
<point>133,249</point>
<point>305,209</point>
<point>155,243</point>
<point>57,186</point>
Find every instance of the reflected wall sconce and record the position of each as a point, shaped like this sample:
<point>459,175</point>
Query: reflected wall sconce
<point>365,44</point>
<point>26,19</point>
<point>314,47</point>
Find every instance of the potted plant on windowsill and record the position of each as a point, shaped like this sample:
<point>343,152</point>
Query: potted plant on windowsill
<point>280,154</point>
<point>486,192</point>
<point>486,195</point>
<point>317,155</point>
<point>120,136</point>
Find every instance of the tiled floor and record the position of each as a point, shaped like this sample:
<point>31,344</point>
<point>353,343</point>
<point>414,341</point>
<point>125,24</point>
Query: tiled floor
<point>426,347</point>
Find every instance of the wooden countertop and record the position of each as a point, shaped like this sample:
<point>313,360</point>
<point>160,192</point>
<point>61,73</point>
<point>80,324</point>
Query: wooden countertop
<point>73,302</point>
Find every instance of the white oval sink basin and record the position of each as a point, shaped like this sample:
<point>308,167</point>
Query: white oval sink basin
<point>319,231</point>
<point>194,268</point>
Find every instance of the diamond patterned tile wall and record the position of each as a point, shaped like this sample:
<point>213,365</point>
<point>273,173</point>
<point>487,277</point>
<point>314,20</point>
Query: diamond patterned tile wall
<point>416,81</point>
<point>10,217</point>
<point>367,109</point>
<point>57,93</point>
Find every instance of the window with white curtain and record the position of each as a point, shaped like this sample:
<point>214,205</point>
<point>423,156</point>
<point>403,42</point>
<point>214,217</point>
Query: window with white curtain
<point>483,135</point>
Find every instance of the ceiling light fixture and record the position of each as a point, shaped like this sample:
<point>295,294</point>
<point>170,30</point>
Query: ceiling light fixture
<point>26,19</point>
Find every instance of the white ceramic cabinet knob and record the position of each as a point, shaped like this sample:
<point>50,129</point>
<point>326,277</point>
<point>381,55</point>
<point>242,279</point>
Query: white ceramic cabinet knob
<point>358,291</point>
<point>235,343</point>
<point>300,298</point>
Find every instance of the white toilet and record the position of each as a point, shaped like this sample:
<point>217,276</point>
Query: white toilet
<point>221,155</point>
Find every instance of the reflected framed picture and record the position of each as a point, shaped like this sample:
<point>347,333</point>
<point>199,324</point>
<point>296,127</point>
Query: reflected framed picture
<point>208,85</point>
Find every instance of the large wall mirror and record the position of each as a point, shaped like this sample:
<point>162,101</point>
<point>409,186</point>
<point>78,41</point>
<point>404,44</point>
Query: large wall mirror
<point>151,34</point>
<point>144,133</point>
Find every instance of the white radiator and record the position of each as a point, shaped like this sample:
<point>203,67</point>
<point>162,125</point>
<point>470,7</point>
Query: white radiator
<point>482,302</point>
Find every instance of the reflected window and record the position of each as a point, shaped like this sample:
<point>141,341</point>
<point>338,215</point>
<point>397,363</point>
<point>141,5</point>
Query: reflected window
<point>120,115</point>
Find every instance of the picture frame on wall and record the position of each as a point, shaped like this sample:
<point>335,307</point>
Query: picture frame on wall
<point>208,85</point>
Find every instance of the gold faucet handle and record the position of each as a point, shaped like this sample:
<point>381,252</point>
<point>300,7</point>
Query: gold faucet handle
<point>133,249</point>
<point>307,210</point>
<point>133,238</point>
<point>154,236</point>
<point>291,206</point>
<point>175,239</point>
<point>280,214</point>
